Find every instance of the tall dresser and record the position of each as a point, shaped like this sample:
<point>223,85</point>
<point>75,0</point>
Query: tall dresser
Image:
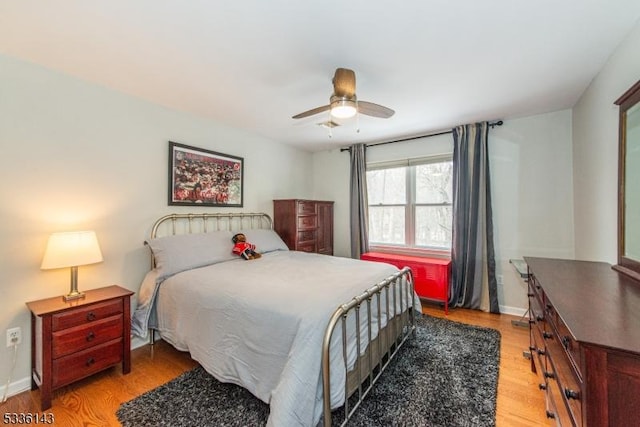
<point>585,342</point>
<point>305,225</point>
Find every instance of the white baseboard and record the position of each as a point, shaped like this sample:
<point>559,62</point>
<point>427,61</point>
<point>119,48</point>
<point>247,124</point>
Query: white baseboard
<point>514,311</point>
<point>137,342</point>
<point>16,387</point>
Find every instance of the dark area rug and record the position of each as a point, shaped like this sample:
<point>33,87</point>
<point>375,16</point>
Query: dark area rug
<point>446,376</point>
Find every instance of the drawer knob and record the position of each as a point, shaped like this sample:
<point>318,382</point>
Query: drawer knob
<point>542,386</point>
<point>90,336</point>
<point>530,295</point>
<point>541,352</point>
<point>550,415</point>
<point>539,318</point>
<point>91,316</point>
<point>90,361</point>
<point>547,335</point>
<point>549,375</point>
<point>571,394</point>
<point>566,341</point>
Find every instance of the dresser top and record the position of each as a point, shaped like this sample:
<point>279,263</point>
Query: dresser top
<point>599,305</point>
<point>303,200</point>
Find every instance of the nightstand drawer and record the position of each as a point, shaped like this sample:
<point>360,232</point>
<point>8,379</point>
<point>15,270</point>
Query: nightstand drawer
<point>79,365</point>
<point>83,315</point>
<point>81,337</point>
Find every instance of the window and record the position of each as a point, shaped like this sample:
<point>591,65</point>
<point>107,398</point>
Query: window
<point>410,203</point>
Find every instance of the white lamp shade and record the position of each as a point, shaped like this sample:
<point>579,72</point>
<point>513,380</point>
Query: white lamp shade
<point>71,249</point>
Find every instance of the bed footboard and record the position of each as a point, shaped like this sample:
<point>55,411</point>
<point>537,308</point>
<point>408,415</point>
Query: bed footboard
<point>392,300</point>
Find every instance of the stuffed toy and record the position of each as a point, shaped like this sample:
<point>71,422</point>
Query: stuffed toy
<point>244,249</point>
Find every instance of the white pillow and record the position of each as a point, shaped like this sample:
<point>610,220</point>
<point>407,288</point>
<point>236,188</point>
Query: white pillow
<point>265,240</point>
<point>174,254</point>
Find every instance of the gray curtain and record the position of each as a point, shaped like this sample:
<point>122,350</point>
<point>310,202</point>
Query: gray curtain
<point>359,205</point>
<point>473,264</point>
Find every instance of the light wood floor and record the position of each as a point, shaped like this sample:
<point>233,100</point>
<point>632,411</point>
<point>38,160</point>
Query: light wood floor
<point>94,401</point>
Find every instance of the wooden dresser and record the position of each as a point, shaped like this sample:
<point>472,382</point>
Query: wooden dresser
<point>75,339</point>
<point>585,342</point>
<point>305,225</point>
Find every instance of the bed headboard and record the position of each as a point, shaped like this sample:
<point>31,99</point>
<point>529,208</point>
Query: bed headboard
<point>190,223</point>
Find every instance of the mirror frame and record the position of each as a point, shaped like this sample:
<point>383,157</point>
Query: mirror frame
<point>628,100</point>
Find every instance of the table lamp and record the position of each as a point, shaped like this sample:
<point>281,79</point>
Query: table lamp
<point>71,249</point>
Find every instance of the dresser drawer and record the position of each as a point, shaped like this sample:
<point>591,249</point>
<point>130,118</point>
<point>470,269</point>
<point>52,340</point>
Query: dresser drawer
<point>568,386</point>
<point>87,314</point>
<point>569,345</point>
<point>68,369</point>
<point>307,236</point>
<point>536,294</point>
<point>535,285</point>
<point>306,208</point>
<point>78,338</point>
<point>307,247</point>
<point>551,314</point>
<point>537,313</point>
<point>556,409</point>
<point>537,341</point>
<point>306,222</point>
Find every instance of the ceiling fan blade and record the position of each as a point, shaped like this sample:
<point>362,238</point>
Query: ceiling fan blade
<point>375,110</point>
<point>344,83</point>
<point>311,112</point>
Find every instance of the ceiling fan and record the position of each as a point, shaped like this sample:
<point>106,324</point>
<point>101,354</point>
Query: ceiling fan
<point>344,104</point>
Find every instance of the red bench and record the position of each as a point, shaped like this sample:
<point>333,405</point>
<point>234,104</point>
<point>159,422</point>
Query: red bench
<point>431,275</point>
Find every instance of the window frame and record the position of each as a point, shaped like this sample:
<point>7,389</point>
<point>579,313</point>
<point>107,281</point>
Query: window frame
<point>410,205</point>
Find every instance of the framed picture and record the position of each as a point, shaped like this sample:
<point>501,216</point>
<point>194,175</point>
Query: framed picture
<point>199,177</point>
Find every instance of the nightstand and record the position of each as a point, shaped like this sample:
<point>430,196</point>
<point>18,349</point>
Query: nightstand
<point>73,340</point>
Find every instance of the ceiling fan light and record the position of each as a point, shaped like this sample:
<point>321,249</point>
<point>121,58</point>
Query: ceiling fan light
<point>343,108</point>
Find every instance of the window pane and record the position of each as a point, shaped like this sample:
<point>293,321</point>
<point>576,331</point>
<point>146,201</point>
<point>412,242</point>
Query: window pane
<point>434,183</point>
<point>433,226</point>
<point>387,186</point>
<point>386,225</point>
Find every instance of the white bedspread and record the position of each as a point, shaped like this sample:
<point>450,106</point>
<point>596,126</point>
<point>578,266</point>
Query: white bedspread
<point>260,324</point>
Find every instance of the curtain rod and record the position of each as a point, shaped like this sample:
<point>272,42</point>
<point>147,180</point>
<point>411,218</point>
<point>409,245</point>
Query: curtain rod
<point>498,123</point>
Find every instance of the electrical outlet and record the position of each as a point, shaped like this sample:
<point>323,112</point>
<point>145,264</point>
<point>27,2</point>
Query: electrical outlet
<point>500,279</point>
<point>14,336</point>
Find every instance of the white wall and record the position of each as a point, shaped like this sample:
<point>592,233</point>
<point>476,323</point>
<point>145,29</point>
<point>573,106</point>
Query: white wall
<point>531,177</point>
<point>531,188</point>
<point>595,153</point>
<point>79,156</point>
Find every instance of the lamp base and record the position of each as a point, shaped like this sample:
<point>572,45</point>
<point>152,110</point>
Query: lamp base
<point>73,296</point>
<point>74,293</point>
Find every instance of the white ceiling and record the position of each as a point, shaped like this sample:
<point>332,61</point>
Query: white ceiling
<point>253,64</point>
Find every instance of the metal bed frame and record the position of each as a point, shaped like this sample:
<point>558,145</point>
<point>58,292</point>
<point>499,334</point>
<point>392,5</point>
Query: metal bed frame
<point>392,299</point>
<point>381,350</point>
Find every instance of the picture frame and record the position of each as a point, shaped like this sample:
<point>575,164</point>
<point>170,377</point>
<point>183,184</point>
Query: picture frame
<point>200,177</point>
